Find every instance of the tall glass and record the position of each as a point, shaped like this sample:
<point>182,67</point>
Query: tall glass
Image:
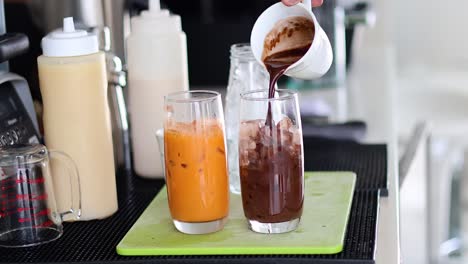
<point>271,161</point>
<point>195,161</point>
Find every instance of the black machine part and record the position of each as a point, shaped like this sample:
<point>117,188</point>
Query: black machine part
<point>13,45</point>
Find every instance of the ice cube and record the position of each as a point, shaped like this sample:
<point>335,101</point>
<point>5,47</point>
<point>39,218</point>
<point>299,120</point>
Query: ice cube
<point>243,158</point>
<point>296,135</point>
<point>249,129</point>
<point>254,159</point>
<point>268,137</point>
<point>284,125</point>
<point>246,144</point>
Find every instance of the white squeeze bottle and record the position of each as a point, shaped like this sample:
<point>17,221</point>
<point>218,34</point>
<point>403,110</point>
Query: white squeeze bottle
<point>157,66</point>
<point>73,83</point>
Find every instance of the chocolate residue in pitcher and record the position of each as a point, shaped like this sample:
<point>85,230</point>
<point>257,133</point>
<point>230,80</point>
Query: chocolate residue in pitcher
<point>288,34</point>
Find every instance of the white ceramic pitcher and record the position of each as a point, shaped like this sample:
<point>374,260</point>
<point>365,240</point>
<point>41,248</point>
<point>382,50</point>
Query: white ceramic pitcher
<point>316,62</point>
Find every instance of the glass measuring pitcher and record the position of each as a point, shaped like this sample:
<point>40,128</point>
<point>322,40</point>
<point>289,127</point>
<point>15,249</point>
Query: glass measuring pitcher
<point>28,208</point>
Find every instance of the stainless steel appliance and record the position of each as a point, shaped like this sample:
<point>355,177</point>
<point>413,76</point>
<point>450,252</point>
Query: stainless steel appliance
<point>117,80</point>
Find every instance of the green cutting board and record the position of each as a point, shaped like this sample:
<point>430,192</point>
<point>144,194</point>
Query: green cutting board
<point>328,197</point>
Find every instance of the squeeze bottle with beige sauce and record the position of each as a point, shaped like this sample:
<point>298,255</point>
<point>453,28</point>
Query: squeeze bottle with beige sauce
<point>157,66</point>
<point>73,83</point>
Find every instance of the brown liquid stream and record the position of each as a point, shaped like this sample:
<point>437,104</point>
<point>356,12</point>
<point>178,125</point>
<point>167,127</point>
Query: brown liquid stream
<point>276,64</point>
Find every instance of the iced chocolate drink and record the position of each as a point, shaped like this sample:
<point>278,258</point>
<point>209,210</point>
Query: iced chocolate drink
<point>270,138</point>
<point>272,176</point>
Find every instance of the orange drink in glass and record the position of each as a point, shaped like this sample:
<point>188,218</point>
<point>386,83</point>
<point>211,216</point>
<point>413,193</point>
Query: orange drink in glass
<point>195,161</point>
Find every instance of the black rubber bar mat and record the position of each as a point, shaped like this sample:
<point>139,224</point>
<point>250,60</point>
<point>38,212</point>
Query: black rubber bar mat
<point>95,241</point>
<point>369,162</point>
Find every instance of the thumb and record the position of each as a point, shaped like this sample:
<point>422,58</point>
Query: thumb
<point>290,2</point>
<point>317,2</point>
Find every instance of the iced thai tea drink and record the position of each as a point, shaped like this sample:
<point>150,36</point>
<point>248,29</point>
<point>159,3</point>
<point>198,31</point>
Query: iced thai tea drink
<point>195,162</point>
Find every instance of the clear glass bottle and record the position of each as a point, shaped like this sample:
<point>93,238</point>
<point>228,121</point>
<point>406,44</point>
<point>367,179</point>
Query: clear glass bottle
<point>246,74</point>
